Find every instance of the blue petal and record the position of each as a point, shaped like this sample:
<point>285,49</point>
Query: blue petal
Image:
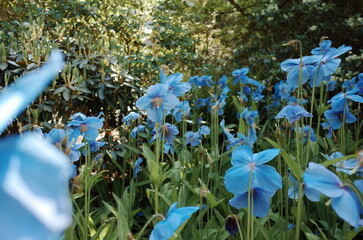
<point>340,205</point>
<point>94,122</point>
<point>237,179</point>
<point>265,156</point>
<point>355,98</point>
<point>156,114</point>
<point>175,217</point>
<point>241,155</point>
<point>267,178</point>
<point>261,201</point>
<point>170,101</point>
<point>312,194</point>
<point>34,192</point>
<point>330,67</point>
<point>16,98</point>
<point>323,180</point>
<point>144,102</point>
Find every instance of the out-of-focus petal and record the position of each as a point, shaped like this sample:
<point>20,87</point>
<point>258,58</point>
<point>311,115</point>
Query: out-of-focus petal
<point>34,196</point>
<point>323,180</point>
<point>16,98</point>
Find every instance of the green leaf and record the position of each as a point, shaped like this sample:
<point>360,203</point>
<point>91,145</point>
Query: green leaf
<point>320,231</point>
<point>152,165</point>
<point>294,167</point>
<point>66,94</point>
<point>330,162</point>
<point>59,90</point>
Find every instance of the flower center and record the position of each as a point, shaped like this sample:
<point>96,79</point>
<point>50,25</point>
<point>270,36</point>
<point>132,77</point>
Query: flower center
<point>252,165</point>
<point>83,128</point>
<point>157,101</point>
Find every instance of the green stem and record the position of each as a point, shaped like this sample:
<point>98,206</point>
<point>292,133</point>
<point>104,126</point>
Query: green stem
<point>239,227</point>
<point>249,218</point>
<point>87,194</point>
<point>147,224</point>
<point>157,155</point>
<point>298,214</point>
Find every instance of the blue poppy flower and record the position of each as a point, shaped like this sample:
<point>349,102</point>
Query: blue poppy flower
<point>293,113</point>
<point>176,86</point>
<point>201,81</point>
<point>231,225</point>
<point>292,66</point>
<point>246,164</point>
<point>284,90</point>
<point>95,145</point>
<point>181,111</point>
<point>74,153</point>
<point>168,148</point>
<point>240,75</point>
<point>249,115</point>
<point>224,93</point>
<point>257,94</point>
<point>157,102</point>
<point>175,217</point>
<point>327,65</point>
<point>327,183</point>
<point>231,140</point>
<point>340,101</point>
<point>306,131</point>
<point>328,127</point>
<point>336,118</point>
<point>129,118</point>
<point>344,166</point>
<point>349,84</point>
<point>324,47</point>
<point>201,102</point>
<point>222,82</point>
<point>169,130</point>
<point>135,131</point>
<point>137,167</point>
<point>88,127</point>
<point>330,85</point>
<point>203,130</point>
<point>293,100</point>
<point>192,138</point>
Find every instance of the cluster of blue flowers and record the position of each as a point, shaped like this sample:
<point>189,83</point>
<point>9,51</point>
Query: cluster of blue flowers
<point>249,176</point>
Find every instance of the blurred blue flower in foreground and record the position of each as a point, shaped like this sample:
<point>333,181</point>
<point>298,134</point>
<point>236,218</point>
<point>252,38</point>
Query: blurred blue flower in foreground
<point>175,217</point>
<point>34,201</point>
<point>321,179</point>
